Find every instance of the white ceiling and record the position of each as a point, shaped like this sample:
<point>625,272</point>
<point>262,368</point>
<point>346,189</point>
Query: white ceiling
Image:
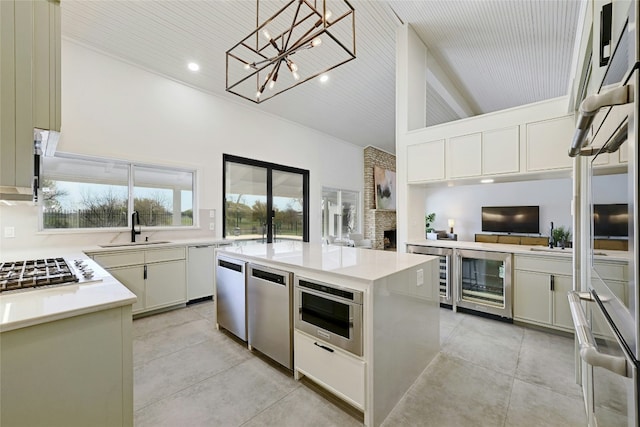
<point>498,54</point>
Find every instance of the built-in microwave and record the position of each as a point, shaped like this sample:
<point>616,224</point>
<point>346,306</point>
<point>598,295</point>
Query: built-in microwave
<point>330,313</point>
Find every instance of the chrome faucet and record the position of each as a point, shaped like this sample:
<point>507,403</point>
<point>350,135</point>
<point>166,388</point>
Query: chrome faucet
<point>135,219</point>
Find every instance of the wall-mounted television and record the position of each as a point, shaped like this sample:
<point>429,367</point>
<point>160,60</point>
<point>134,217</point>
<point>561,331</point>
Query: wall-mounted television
<point>511,219</point>
<point>611,220</point>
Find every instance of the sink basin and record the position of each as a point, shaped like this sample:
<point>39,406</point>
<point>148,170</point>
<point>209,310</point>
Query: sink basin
<point>123,245</point>
<point>546,249</point>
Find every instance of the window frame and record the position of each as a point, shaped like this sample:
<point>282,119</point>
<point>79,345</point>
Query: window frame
<point>359,210</point>
<point>130,195</point>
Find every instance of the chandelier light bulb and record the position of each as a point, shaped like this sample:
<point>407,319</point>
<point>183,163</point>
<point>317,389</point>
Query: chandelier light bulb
<point>272,84</point>
<point>316,42</point>
<point>258,93</point>
<point>247,67</point>
<point>327,15</point>
<point>266,34</point>
<point>296,76</point>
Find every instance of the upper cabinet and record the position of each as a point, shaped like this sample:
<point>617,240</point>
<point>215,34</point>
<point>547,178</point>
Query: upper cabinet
<point>548,144</point>
<point>501,151</point>
<point>464,156</point>
<point>425,162</point>
<point>29,83</point>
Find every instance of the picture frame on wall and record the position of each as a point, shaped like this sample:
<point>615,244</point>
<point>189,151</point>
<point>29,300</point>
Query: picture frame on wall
<point>385,184</point>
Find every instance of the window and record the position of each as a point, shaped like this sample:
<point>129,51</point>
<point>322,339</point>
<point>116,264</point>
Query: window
<point>253,189</point>
<point>340,212</point>
<point>83,193</point>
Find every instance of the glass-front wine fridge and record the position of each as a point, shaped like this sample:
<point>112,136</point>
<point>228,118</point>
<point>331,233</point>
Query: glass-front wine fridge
<point>484,282</point>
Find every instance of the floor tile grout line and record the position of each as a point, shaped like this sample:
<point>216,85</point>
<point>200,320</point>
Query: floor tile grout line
<point>191,385</point>
<point>298,385</point>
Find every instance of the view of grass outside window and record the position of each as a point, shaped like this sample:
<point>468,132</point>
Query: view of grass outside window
<point>340,213</point>
<point>246,199</point>
<point>93,193</point>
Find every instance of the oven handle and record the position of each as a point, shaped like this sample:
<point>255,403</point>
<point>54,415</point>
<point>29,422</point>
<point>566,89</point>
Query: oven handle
<point>588,348</point>
<point>588,109</point>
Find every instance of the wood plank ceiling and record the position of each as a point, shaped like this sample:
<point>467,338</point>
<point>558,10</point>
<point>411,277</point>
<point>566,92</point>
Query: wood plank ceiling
<point>498,54</point>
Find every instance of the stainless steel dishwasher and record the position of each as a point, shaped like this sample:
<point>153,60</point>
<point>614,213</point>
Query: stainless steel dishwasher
<point>231,296</point>
<point>269,318</point>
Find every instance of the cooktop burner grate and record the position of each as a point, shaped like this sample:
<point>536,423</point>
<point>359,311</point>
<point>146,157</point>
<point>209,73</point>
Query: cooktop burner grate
<point>32,273</point>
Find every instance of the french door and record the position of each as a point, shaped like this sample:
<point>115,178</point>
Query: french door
<point>264,202</point>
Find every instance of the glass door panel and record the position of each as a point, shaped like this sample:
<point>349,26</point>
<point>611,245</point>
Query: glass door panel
<point>483,281</point>
<point>245,208</point>
<point>288,203</point>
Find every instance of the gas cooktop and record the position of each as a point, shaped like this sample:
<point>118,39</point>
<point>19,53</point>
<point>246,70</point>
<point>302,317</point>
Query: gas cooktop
<point>45,272</point>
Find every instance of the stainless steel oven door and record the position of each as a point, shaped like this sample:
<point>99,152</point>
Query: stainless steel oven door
<point>611,373</point>
<point>330,318</point>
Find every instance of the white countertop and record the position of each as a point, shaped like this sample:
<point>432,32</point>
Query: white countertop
<point>362,264</point>
<point>32,307</point>
<point>519,249</point>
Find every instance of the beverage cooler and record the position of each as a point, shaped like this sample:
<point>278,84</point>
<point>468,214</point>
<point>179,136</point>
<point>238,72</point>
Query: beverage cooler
<point>445,256</point>
<point>483,282</point>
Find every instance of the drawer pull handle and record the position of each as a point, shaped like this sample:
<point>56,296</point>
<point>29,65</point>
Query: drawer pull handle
<point>324,347</point>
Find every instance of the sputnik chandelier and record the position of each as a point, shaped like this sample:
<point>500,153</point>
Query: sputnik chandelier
<point>301,40</point>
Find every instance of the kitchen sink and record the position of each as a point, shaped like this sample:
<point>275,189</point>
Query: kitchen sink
<point>545,249</point>
<point>122,245</point>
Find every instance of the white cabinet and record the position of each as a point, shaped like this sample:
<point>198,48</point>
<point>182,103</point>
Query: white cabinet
<point>501,151</point>
<point>540,291</point>
<point>336,370</point>
<point>464,155</point>
<point>70,372</point>
<point>200,271</point>
<point>426,162</point>
<point>548,143</point>
<point>156,276</point>
<point>30,83</point>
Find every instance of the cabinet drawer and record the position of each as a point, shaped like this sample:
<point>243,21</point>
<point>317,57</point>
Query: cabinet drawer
<point>119,259</point>
<point>337,371</point>
<point>167,254</point>
<point>543,265</point>
<point>611,271</point>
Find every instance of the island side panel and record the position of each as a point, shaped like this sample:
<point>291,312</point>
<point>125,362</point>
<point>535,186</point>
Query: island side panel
<point>406,333</point>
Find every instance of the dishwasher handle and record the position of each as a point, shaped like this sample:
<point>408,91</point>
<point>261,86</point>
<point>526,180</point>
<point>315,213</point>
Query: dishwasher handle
<point>268,276</point>
<point>587,344</point>
<point>230,265</point>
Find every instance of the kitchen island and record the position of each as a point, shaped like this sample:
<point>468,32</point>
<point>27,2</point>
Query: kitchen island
<point>66,354</point>
<point>400,319</point>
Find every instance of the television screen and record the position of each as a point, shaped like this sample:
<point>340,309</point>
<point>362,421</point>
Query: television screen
<point>611,220</point>
<point>511,219</point>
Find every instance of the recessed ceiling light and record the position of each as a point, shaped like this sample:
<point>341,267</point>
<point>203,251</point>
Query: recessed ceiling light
<point>324,78</point>
<point>193,66</point>
<point>487,181</point>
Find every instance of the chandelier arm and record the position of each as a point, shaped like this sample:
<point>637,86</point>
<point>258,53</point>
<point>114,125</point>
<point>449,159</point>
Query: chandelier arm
<point>293,24</point>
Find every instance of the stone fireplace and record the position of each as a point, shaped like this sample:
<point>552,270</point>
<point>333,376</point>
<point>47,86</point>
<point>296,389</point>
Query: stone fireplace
<point>377,221</point>
<point>389,239</point>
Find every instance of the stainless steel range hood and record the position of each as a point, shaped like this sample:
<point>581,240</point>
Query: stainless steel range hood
<point>45,143</point>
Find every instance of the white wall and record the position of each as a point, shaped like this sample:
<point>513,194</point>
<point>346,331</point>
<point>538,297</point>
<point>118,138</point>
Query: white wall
<point>112,109</point>
<point>464,203</point>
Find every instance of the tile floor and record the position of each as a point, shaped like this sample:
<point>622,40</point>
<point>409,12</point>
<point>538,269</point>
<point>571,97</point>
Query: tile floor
<point>488,373</point>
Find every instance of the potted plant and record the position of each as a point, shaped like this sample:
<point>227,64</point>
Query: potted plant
<point>428,220</point>
<point>561,236</point>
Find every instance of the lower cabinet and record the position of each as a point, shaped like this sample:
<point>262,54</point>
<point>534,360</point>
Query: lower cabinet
<point>540,291</point>
<point>330,367</point>
<point>541,298</point>
<point>156,276</point>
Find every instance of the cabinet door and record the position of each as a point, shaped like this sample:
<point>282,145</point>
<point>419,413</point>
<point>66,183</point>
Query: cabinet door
<point>465,156</point>
<point>166,284</point>
<point>561,312</point>
<point>531,297</point>
<point>46,65</point>
<point>200,272</point>
<point>425,162</point>
<point>501,151</point>
<point>548,144</point>
<point>133,278</point>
